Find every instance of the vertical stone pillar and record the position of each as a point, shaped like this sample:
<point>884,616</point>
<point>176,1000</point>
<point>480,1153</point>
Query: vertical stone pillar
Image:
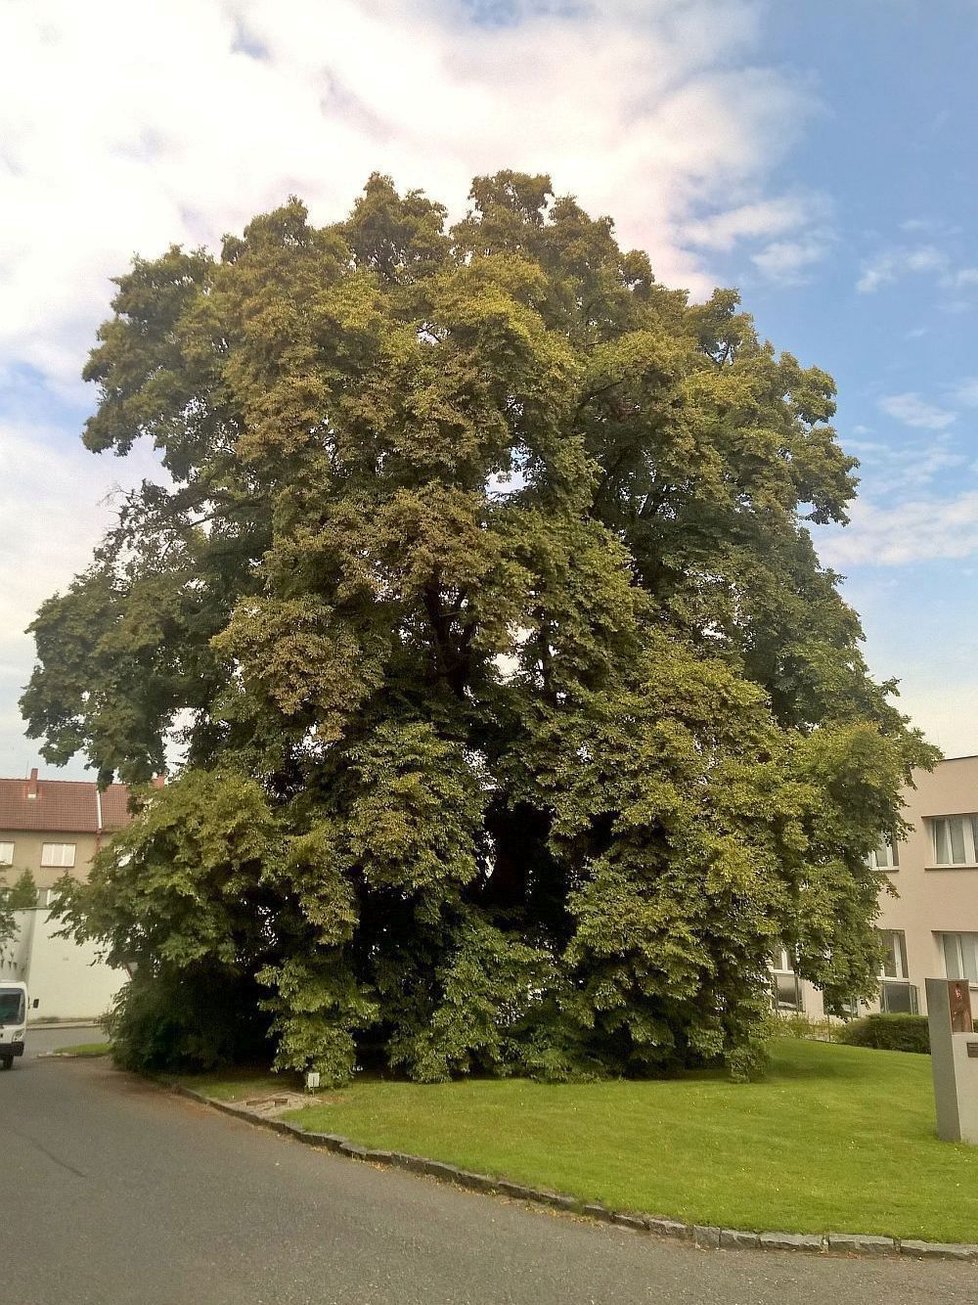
<point>953,1059</point>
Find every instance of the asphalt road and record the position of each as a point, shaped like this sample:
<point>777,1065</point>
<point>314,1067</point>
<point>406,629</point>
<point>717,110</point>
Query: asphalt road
<point>114,1191</point>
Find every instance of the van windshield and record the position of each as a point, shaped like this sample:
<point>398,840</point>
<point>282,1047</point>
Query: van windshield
<point>11,1006</point>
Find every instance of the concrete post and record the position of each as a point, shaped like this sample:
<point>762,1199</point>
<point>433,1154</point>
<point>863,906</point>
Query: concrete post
<point>953,1059</point>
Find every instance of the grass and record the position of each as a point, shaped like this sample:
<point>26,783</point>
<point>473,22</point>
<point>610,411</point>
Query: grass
<point>834,1139</point>
<point>85,1049</point>
<point>241,1084</point>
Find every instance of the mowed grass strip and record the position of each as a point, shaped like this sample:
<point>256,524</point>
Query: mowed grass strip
<point>834,1139</point>
<point>237,1086</point>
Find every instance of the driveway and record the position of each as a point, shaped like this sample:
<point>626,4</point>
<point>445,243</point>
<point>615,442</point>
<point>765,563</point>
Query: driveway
<point>117,1192</point>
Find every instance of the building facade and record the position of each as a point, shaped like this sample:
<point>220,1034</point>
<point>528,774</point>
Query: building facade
<point>51,827</point>
<point>930,922</point>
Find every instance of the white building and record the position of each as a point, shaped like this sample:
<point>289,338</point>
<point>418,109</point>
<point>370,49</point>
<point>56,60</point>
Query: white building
<point>48,827</point>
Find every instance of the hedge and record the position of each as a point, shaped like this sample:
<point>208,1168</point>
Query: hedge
<point>888,1033</point>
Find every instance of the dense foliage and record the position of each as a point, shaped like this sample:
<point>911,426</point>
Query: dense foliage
<point>521,720</point>
<point>888,1032</point>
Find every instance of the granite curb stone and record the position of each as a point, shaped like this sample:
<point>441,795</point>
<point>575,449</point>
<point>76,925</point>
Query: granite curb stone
<point>856,1244</point>
<point>705,1236</point>
<point>516,1191</point>
<point>556,1201</point>
<point>782,1241</point>
<point>633,1221</point>
<point>939,1250</point>
<point>355,1152</point>
<point>735,1239</point>
<point>475,1182</point>
<point>673,1228</point>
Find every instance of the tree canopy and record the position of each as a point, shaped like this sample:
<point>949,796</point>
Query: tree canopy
<point>521,721</point>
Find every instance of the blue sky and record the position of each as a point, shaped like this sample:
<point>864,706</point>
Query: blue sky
<point>818,155</point>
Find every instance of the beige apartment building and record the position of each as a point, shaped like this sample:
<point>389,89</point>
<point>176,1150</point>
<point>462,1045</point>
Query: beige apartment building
<point>930,927</point>
<point>48,827</point>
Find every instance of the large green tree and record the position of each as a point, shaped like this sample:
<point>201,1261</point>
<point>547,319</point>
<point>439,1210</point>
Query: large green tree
<point>521,720</point>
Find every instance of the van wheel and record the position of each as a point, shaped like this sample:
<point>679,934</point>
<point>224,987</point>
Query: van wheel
<point>8,1062</point>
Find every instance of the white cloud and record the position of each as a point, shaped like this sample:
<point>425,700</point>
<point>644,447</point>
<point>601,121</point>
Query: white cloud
<point>126,127</point>
<point>56,501</point>
<point>788,261</point>
<point>175,120</point>
<point>966,392</point>
<point>912,410</point>
<point>918,501</point>
<point>892,264</point>
<point>801,217</point>
<point>930,226</point>
<point>770,217</point>
<point>905,532</point>
<point>898,470</point>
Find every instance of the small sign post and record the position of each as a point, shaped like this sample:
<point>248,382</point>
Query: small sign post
<point>953,1059</point>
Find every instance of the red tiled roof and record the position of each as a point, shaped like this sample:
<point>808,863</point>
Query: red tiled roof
<point>62,806</point>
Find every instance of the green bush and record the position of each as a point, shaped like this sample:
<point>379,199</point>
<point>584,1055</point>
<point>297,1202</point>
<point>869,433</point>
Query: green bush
<point>889,1033</point>
<point>800,1026</point>
<point>190,1021</point>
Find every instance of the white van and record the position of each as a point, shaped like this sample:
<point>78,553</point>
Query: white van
<point>13,1021</point>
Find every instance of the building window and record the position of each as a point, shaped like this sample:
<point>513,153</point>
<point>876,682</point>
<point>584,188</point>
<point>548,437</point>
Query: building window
<point>58,854</point>
<point>895,954</point>
<point>6,853</point>
<point>886,856</point>
<point>897,994</point>
<point>961,956</point>
<point>955,840</point>
<point>786,984</point>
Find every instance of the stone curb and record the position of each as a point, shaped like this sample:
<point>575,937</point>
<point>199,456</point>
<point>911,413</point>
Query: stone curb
<point>704,1236</point>
<point>55,1026</point>
<point>72,1055</point>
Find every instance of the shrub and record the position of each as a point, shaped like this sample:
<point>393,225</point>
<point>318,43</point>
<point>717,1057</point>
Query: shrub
<point>800,1026</point>
<point>186,1022</point>
<point>888,1033</point>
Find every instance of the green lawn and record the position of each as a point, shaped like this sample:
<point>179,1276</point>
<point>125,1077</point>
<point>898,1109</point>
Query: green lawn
<point>238,1085</point>
<point>85,1049</point>
<point>834,1139</point>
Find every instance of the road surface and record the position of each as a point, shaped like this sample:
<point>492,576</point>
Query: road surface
<point>117,1192</point>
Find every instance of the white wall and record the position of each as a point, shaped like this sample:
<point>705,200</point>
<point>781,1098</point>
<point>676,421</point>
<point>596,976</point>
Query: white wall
<point>67,979</point>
